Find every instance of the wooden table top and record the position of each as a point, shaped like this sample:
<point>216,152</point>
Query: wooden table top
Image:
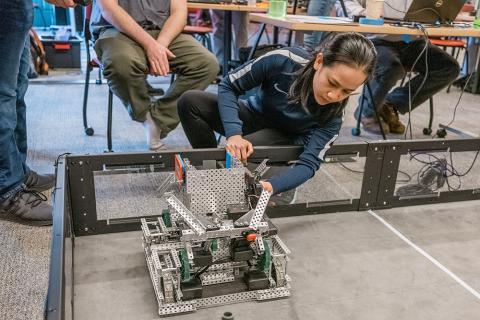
<point>296,25</point>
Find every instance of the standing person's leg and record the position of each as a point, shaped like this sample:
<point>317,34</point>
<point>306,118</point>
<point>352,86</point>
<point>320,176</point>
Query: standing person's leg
<point>195,68</point>
<point>388,71</point>
<point>13,35</point>
<point>15,201</point>
<point>442,70</point>
<point>240,28</point>
<point>317,8</point>
<point>22,85</point>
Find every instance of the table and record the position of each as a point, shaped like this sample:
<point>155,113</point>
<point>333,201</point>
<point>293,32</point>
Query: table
<point>293,24</point>
<point>227,35</point>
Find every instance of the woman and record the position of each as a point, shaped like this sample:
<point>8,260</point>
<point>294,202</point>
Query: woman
<point>298,102</point>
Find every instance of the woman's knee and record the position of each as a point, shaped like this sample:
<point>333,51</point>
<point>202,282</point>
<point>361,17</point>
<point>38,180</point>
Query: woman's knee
<point>197,104</point>
<point>188,101</point>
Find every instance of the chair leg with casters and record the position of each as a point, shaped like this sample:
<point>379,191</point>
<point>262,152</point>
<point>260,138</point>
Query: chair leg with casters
<point>441,133</point>
<point>428,130</point>
<point>356,131</point>
<point>109,121</point>
<point>99,79</point>
<point>88,130</point>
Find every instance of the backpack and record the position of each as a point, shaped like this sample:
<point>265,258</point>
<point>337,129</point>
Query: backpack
<point>37,53</point>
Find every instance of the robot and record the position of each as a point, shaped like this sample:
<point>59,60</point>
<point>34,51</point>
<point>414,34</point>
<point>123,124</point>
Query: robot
<point>214,245</point>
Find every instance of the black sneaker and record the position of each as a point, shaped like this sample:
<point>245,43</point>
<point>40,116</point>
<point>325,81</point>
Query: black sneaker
<point>27,207</point>
<point>39,182</point>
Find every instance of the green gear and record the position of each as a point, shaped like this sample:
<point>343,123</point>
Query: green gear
<point>185,267</point>
<point>166,218</point>
<point>263,263</point>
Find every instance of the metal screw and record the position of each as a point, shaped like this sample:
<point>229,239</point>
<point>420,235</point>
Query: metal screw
<point>366,204</point>
<point>80,162</point>
<point>86,229</point>
<point>81,179</point>
<point>384,202</point>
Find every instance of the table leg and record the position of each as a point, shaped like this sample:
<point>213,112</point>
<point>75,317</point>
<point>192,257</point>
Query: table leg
<point>227,42</point>
<point>275,35</point>
<point>257,40</point>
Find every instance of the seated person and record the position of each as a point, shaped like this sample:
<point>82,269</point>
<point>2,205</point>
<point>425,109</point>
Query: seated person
<point>317,8</point>
<point>135,38</point>
<point>300,100</point>
<point>240,32</point>
<point>396,56</point>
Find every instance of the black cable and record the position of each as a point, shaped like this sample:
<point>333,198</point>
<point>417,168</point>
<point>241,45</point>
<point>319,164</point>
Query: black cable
<point>447,170</point>
<point>362,172</point>
<point>410,98</point>
<point>58,158</point>
<point>389,5</point>
<point>459,99</point>
<point>468,170</point>
<point>350,169</point>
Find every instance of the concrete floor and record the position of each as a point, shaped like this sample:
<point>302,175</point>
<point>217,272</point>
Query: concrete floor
<point>343,266</point>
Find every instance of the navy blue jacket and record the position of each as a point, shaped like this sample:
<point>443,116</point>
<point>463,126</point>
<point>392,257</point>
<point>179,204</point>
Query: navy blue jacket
<point>273,74</point>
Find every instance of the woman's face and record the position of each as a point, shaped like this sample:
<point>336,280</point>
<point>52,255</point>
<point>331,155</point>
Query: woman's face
<point>335,82</point>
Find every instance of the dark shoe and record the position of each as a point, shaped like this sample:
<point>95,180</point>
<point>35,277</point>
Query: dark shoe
<point>371,125</point>
<point>39,182</point>
<point>390,115</point>
<point>27,207</point>
<point>152,91</point>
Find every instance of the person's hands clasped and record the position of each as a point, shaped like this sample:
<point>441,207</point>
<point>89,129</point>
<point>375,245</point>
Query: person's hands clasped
<point>158,55</point>
<point>239,147</point>
<point>62,3</point>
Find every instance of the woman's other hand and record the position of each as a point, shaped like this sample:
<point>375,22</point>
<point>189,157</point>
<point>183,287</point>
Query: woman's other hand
<point>239,147</point>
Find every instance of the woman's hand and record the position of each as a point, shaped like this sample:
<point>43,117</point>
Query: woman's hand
<point>267,186</point>
<point>239,147</point>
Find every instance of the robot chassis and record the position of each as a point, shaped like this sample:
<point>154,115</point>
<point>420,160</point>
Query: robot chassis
<point>214,245</point>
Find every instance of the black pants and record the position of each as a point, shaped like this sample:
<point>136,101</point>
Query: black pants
<point>198,112</point>
<point>394,60</point>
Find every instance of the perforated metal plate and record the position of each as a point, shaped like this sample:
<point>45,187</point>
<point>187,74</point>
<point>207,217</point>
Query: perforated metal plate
<point>185,214</point>
<point>213,190</point>
<point>260,209</point>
